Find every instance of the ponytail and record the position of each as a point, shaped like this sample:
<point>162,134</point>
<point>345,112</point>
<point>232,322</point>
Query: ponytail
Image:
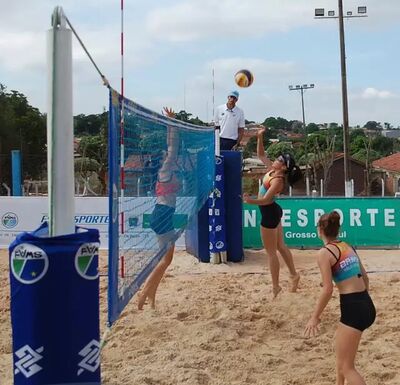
<point>330,224</point>
<point>294,175</point>
<point>293,171</point>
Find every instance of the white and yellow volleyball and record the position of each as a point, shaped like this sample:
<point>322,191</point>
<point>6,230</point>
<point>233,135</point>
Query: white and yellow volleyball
<point>244,78</point>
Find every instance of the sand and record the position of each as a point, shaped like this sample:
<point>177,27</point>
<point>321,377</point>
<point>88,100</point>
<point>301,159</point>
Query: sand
<point>217,325</point>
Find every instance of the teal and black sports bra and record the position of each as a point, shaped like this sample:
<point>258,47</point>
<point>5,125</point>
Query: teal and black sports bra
<point>347,265</point>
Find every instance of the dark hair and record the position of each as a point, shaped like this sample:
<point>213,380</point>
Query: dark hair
<point>329,224</point>
<point>293,171</point>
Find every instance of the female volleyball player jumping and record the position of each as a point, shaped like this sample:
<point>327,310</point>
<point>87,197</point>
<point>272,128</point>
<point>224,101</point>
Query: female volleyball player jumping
<point>167,187</point>
<point>281,170</point>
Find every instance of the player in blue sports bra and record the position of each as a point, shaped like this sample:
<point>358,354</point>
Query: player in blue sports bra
<point>161,222</point>
<point>281,170</point>
<point>340,263</point>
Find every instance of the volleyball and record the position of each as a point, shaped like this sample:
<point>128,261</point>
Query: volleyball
<point>244,78</point>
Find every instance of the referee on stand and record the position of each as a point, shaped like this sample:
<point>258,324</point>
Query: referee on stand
<point>229,120</point>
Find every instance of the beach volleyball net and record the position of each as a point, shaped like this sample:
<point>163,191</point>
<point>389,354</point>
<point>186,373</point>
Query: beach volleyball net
<point>160,174</point>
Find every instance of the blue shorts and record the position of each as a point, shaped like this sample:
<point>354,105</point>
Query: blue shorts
<point>161,220</point>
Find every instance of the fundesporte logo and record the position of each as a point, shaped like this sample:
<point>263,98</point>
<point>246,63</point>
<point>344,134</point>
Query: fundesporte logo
<point>86,261</point>
<point>27,361</point>
<point>29,263</point>
<point>91,357</point>
<point>9,220</point>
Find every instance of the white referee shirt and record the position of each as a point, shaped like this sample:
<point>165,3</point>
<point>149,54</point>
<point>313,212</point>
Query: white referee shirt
<point>229,121</point>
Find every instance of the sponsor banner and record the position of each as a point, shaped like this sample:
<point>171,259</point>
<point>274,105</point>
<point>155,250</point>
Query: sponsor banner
<point>21,214</point>
<point>365,222</point>
<point>55,307</point>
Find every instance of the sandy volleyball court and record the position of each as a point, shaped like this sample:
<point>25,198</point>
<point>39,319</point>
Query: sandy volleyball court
<point>217,325</point>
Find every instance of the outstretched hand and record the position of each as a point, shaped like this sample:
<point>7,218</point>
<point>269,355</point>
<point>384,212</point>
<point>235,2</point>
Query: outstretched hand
<point>312,327</point>
<point>261,131</point>
<point>169,112</point>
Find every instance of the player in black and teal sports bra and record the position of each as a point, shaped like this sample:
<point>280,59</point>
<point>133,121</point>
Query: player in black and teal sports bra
<point>339,262</point>
<point>357,309</point>
<point>282,169</point>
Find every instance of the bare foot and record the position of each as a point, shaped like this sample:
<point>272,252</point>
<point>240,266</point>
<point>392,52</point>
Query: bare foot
<point>144,299</point>
<point>294,283</point>
<point>141,301</point>
<point>276,291</point>
<point>152,299</point>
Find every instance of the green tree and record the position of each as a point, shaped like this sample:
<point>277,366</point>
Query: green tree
<point>312,127</point>
<point>270,123</point>
<point>354,133</point>
<point>197,121</point>
<point>95,150</point>
<point>89,124</point>
<point>383,145</point>
<point>373,125</point>
<point>357,143</point>
<point>362,154</point>
<point>22,127</point>
<point>186,117</point>
<point>183,115</point>
<point>275,149</point>
<point>277,123</point>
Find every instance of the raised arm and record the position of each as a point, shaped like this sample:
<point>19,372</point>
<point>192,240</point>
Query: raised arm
<point>172,134</point>
<point>260,148</point>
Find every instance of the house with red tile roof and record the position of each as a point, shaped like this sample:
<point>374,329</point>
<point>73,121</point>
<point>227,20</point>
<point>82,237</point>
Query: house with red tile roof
<point>388,170</point>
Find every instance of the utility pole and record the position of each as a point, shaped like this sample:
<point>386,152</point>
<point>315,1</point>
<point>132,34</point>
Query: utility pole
<point>345,104</point>
<point>320,14</point>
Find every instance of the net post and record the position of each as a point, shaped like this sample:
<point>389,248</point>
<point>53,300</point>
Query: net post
<point>217,142</point>
<point>60,150</point>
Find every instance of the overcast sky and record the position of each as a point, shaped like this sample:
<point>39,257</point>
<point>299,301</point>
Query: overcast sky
<point>171,47</point>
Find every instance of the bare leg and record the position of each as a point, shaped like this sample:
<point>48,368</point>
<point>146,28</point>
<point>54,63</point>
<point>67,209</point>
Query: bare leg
<point>346,344</point>
<point>288,258</point>
<point>154,279</point>
<point>269,239</point>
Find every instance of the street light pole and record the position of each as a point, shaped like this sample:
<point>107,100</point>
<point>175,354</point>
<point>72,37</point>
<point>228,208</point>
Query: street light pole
<point>320,14</point>
<point>301,88</point>
<point>302,109</point>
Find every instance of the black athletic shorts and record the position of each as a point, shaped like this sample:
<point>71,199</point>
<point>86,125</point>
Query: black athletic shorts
<point>357,310</point>
<point>271,215</point>
<point>161,220</point>
<point>227,144</point>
